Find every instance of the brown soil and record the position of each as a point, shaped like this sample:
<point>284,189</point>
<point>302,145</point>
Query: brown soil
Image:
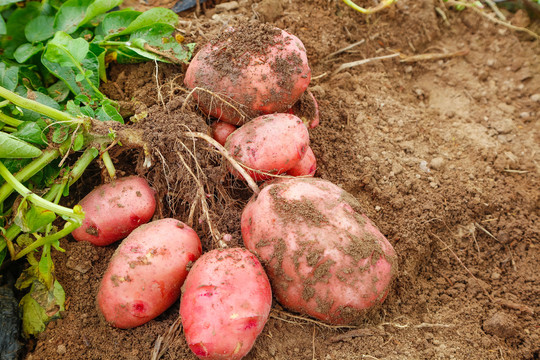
<point>442,154</point>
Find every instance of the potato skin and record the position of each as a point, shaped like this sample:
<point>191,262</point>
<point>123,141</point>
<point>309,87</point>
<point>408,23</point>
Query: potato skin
<point>256,81</point>
<point>324,257</point>
<point>270,143</point>
<point>221,131</point>
<point>307,166</point>
<point>114,210</point>
<point>225,304</point>
<point>146,272</point>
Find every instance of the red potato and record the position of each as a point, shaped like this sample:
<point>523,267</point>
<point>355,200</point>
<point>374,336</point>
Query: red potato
<point>307,109</point>
<point>225,303</point>
<point>324,257</point>
<point>307,166</point>
<point>250,71</point>
<point>114,210</point>
<point>221,131</point>
<point>146,272</point>
<point>270,143</point>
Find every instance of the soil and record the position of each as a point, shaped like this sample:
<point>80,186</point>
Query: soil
<point>442,154</point>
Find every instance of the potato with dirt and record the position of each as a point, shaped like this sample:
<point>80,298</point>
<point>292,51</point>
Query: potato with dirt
<point>221,130</point>
<point>146,272</point>
<point>225,304</point>
<point>323,256</point>
<point>248,71</point>
<point>114,210</point>
<point>269,145</point>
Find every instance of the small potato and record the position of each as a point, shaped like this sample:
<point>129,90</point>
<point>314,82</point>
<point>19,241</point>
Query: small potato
<point>249,71</point>
<point>225,303</point>
<point>307,166</point>
<point>270,143</point>
<point>146,272</point>
<point>324,257</point>
<point>114,210</point>
<point>221,131</point>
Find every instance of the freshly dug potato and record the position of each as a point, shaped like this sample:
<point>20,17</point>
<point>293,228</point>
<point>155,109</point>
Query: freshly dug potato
<point>221,131</point>
<point>114,210</point>
<point>225,304</point>
<point>270,143</point>
<point>307,109</point>
<point>307,166</point>
<point>323,256</point>
<point>146,272</point>
<point>249,71</point>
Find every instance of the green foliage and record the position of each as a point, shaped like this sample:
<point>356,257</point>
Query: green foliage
<point>55,55</point>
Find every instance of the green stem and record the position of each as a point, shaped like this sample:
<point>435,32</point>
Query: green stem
<point>9,120</point>
<point>35,106</point>
<point>107,161</point>
<point>112,43</point>
<point>47,239</point>
<point>9,129</point>
<point>25,192</point>
<point>383,4</point>
<point>4,103</point>
<point>29,170</point>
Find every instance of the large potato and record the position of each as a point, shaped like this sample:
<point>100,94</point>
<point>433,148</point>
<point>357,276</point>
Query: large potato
<point>270,144</point>
<point>254,69</point>
<point>225,304</point>
<point>114,210</point>
<point>146,272</point>
<point>324,257</point>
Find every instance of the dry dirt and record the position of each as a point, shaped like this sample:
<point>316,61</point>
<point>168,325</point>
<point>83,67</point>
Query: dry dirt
<point>443,155</point>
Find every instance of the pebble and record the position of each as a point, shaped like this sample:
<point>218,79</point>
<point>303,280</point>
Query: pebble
<point>433,184</point>
<point>490,62</point>
<point>535,97</point>
<point>500,324</point>
<point>524,115</point>
<point>61,349</point>
<point>436,163</point>
<point>503,126</point>
<point>423,166</point>
<point>377,208</point>
<point>495,275</point>
<point>228,6</point>
<point>81,266</point>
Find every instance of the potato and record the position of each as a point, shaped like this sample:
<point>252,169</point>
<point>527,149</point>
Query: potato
<point>249,71</point>
<point>307,109</point>
<point>307,166</point>
<point>114,210</point>
<point>146,272</point>
<point>270,143</point>
<point>225,303</point>
<point>323,256</point>
<point>221,131</point>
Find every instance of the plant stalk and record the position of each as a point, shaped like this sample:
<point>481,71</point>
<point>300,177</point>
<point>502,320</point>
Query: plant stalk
<point>35,106</point>
<point>47,239</point>
<point>8,120</point>
<point>25,192</point>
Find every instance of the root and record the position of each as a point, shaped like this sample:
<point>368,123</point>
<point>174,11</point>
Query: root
<point>305,320</point>
<point>251,183</point>
<point>213,96</point>
<point>164,341</point>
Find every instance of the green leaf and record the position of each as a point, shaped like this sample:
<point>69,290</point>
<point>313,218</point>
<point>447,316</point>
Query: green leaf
<point>7,2</point>
<point>115,22</point>
<point>33,219</point>
<point>40,28</point>
<point>29,115</point>
<point>15,25</point>
<point>68,74</point>
<point>160,37</point>
<point>9,76</point>
<point>99,7</point>
<point>3,31</point>
<point>60,134</point>
<point>29,77</point>
<point>11,147</point>
<point>26,51</point>
<point>31,132</point>
<point>40,306</point>
<point>78,143</point>
<point>100,54</point>
<point>108,113</point>
<point>66,51</point>
<point>3,252</point>
<point>150,18</point>
<point>70,15</point>
<point>58,91</point>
